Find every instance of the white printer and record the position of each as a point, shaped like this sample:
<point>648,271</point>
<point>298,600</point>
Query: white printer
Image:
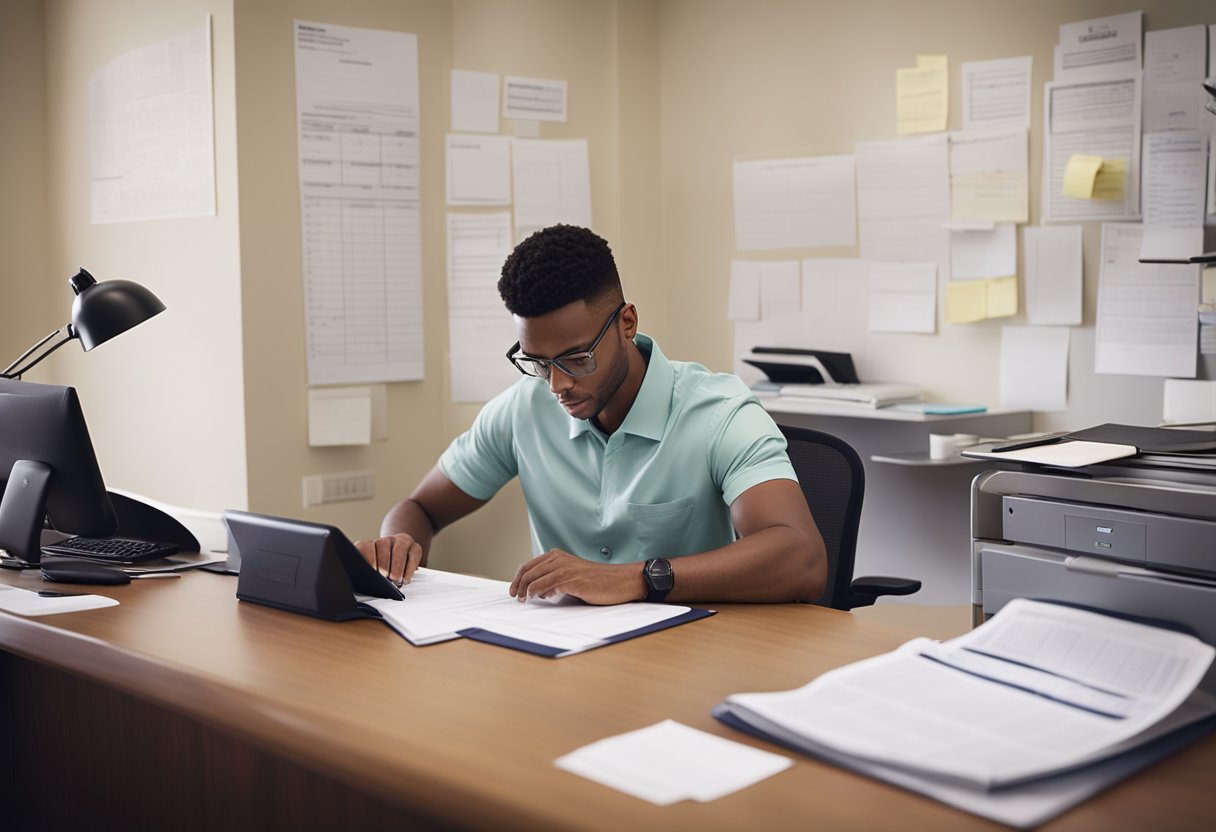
<point>1134,536</point>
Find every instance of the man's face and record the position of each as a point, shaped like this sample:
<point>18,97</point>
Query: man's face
<point>573,328</point>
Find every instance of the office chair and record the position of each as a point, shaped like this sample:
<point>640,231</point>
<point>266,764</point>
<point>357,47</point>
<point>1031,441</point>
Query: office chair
<point>833,481</point>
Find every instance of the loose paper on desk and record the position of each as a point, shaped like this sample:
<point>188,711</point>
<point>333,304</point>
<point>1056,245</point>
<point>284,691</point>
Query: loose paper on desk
<point>1146,324</point>
<point>27,602</point>
<point>903,297</point>
<point>357,108</point>
<point>922,95</point>
<point>989,175</point>
<point>1097,117</point>
<point>903,197</point>
<point>478,324</point>
<point>1174,70</point>
<point>478,170</point>
<point>1034,367</point>
<point>669,762</point>
<point>541,99</point>
<point>552,179</point>
<point>474,101</point>
<point>1038,689</point>
<point>795,203</point>
<point>996,94</point>
<point>1100,44</point>
<point>1051,261</point>
<point>151,134</point>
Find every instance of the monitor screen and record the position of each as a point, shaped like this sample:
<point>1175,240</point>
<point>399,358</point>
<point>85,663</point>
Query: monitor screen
<point>43,424</point>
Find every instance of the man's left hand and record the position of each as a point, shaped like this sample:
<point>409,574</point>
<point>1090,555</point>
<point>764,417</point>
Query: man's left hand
<point>595,583</point>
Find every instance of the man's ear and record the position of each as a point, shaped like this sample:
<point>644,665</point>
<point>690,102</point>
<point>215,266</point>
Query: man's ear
<point>629,320</point>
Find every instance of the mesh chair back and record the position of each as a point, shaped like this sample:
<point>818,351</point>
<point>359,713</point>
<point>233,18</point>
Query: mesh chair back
<point>833,481</point>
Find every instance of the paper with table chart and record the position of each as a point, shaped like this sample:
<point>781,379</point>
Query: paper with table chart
<point>990,175</point>
<point>1016,720</point>
<point>1175,169</point>
<point>440,606</point>
<point>795,203</point>
<point>997,93</point>
<point>360,208</point>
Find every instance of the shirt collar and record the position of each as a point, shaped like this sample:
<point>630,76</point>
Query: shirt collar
<point>648,415</point>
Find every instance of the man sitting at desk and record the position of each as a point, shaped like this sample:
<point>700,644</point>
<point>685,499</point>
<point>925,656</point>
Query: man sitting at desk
<point>637,470</point>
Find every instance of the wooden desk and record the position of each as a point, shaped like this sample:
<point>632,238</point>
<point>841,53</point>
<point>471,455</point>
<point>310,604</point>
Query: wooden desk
<point>185,709</point>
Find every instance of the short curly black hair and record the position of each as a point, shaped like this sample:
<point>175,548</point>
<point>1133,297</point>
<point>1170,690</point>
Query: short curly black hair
<point>557,266</point>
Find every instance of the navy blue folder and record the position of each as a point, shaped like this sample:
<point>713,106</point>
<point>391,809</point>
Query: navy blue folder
<point>478,634</point>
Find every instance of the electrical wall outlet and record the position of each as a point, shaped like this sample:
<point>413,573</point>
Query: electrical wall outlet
<point>335,488</point>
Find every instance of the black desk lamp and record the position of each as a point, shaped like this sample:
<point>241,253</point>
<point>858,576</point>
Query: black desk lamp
<point>99,312</point>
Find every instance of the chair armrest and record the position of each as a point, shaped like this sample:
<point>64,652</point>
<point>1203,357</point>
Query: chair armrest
<point>864,591</point>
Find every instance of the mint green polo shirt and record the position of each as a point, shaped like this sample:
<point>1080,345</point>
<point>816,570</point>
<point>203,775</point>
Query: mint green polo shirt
<point>660,486</point>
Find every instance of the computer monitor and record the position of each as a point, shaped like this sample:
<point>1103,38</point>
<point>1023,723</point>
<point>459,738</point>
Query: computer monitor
<point>48,470</point>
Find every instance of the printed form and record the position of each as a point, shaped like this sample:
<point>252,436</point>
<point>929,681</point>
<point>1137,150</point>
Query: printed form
<point>357,105</point>
<point>480,329</point>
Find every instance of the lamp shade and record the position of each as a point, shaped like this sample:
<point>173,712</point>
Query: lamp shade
<point>103,310</point>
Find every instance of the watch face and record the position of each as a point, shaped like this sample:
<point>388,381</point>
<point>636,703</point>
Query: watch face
<point>658,574</point>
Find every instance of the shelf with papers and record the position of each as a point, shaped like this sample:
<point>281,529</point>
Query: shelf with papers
<point>920,459</point>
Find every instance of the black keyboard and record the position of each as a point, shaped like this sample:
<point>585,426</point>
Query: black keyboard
<point>110,549</point>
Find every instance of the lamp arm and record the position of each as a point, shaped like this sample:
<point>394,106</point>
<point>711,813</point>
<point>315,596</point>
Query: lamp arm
<point>14,370</point>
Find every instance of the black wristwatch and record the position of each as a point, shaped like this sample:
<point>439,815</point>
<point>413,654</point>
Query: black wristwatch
<point>659,579</point>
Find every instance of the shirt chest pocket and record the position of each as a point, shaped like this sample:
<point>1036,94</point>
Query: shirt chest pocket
<point>662,529</point>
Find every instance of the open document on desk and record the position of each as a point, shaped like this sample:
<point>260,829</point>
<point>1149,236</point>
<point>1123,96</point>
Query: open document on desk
<point>440,606</point>
<point>1017,720</point>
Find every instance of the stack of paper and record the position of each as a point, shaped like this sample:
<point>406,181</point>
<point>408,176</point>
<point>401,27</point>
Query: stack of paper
<point>1017,720</point>
<point>439,606</point>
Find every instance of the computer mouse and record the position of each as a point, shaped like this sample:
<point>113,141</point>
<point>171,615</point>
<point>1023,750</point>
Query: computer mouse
<point>83,572</point>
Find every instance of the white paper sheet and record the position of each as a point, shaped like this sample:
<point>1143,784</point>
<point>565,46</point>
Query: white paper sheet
<point>28,602</point>
<point>151,133</point>
<point>780,291</point>
<point>478,170</point>
<point>990,175</point>
<point>539,99</point>
<point>903,197</point>
<point>835,303</point>
<point>552,183</point>
<point>1175,168</point>
<point>997,93</point>
<point>669,762</point>
<point>903,297</point>
<point>983,254</point>
<point>1173,76</point>
<point>357,103</point>
<point>1034,367</point>
<point>480,330</point>
<point>1051,258</point>
<point>743,303</point>
<point>1100,44</point>
<point>1096,117</point>
<point>795,203</point>
<point>474,101</point>
<point>1147,325</point>
<point>339,416</point>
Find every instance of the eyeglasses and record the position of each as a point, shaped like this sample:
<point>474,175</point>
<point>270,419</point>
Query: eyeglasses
<point>573,363</point>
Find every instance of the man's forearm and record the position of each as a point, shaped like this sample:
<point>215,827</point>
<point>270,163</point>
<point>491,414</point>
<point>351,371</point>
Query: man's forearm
<point>777,564</point>
<point>408,517</point>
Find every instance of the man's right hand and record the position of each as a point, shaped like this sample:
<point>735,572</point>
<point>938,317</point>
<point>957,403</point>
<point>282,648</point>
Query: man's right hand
<point>395,557</point>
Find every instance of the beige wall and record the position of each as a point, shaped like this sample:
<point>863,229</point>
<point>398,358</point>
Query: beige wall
<point>26,280</point>
<point>163,401</point>
<point>771,78</point>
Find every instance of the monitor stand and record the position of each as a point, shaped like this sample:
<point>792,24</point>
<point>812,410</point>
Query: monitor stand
<point>23,513</point>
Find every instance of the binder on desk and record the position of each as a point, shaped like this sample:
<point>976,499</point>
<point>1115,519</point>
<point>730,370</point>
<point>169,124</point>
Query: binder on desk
<point>1002,721</point>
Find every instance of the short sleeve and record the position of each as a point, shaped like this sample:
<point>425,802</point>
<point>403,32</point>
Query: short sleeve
<point>482,459</point>
<point>746,448</point>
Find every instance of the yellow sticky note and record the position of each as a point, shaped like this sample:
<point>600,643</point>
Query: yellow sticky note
<point>966,301</point>
<point>1079,176</point>
<point>1111,181</point>
<point>1002,296</point>
<point>922,95</point>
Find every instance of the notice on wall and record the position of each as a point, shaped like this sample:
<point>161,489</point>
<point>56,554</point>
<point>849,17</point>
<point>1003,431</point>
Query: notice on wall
<point>480,329</point>
<point>795,203</point>
<point>360,206</point>
<point>151,133</point>
<point>551,180</point>
<point>536,99</point>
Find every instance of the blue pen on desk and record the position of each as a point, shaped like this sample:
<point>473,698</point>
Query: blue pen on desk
<point>53,593</point>
<point>1029,443</point>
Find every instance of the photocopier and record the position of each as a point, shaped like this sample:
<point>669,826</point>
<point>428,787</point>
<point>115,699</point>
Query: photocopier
<point>1135,536</point>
